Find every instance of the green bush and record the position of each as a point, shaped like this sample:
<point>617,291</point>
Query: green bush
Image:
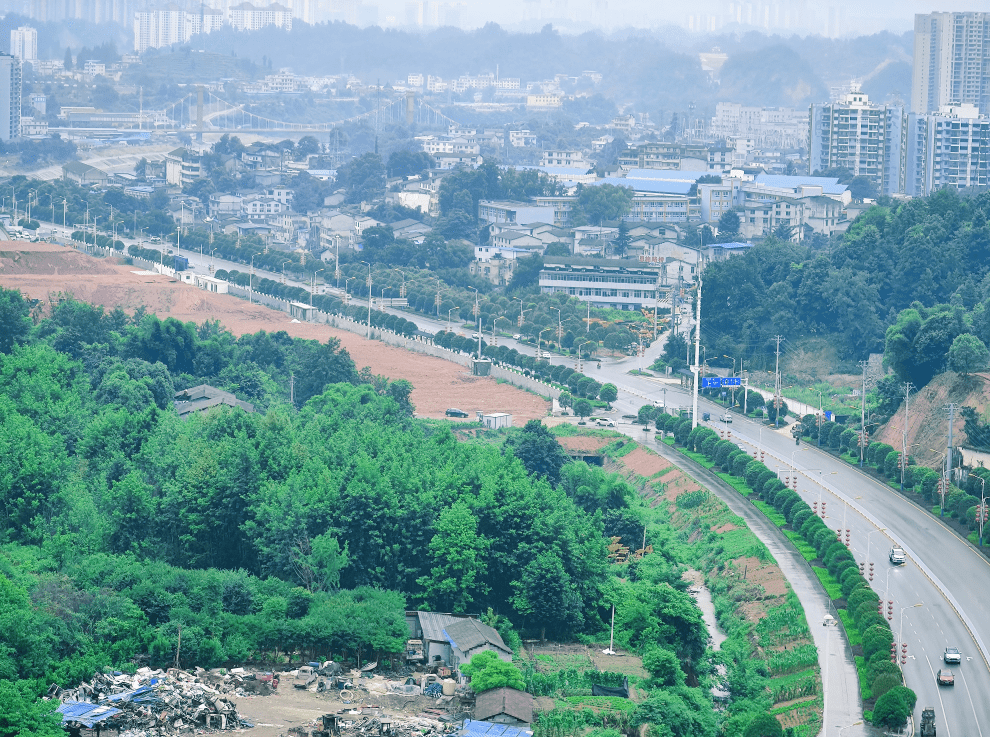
<point>800,517</point>
<point>876,639</point>
<point>763,725</point>
<point>883,683</point>
<point>891,711</point>
<point>882,666</point>
<point>847,439</point>
<point>739,464</point>
<point>859,596</point>
<point>909,696</point>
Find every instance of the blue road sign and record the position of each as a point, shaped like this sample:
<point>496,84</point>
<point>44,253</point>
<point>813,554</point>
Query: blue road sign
<point>717,382</point>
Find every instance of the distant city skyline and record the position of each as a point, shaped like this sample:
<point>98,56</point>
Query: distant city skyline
<point>831,18</point>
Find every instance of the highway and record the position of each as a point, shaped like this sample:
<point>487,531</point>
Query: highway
<point>944,574</point>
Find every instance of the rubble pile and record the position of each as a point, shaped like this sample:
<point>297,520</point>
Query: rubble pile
<point>171,702</point>
<point>370,721</point>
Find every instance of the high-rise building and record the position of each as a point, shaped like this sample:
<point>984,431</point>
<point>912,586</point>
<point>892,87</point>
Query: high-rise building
<point>950,148</point>
<point>10,97</point>
<point>154,28</point>
<point>951,61</point>
<point>248,17</point>
<point>863,137</point>
<point>24,43</point>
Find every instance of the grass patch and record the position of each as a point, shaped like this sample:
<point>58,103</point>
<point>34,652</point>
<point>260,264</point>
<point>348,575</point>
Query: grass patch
<point>698,458</point>
<point>851,631</point>
<point>832,587</point>
<point>807,552</point>
<point>620,448</point>
<point>865,692</point>
<point>770,513</point>
<point>736,483</point>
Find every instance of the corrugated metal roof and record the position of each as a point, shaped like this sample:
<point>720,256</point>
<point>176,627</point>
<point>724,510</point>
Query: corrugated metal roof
<point>829,185</point>
<point>670,175</point>
<point>651,186</point>
<point>85,713</point>
<point>467,634</point>
<point>477,728</point>
<point>433,624</point>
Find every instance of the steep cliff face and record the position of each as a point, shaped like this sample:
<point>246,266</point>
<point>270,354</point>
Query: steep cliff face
<point>928,420</point>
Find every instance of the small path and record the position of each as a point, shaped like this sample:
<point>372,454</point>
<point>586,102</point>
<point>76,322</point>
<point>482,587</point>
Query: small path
<point>704,598</point>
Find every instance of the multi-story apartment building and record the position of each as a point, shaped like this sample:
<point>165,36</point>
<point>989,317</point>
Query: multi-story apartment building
<point>666,155</point>
<point>10,97</point>
<point>768,127</point>
<point>951,61</point>
<point>183,166</point>
<point>614,283</point>
<point>950,148</point>
<point>248,17</point>
<point>573,159</point>
<point>863,137</point>
<point>158,27</point>
<point>24,43</point>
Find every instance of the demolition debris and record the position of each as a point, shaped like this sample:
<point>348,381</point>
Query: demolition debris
<point>172,701</point>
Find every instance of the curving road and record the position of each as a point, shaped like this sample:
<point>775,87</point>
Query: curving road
<point>944,574</point>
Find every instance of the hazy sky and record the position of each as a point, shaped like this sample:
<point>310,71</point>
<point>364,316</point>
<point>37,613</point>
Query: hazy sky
<point>827,17</point>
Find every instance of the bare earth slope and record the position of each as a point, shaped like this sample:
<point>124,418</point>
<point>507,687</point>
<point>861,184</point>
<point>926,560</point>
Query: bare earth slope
<point>42,269</point>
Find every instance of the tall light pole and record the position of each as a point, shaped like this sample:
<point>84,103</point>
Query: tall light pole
<point>369,297</point>
<point>981,511</point>
<point>347,296</point>
<point>900,632</point>
<point>448,316</point>
<point>250,280</point>
<point>477,312</point>
<point>907,419</point>
<point>697,351</point>
<point>313,291</point>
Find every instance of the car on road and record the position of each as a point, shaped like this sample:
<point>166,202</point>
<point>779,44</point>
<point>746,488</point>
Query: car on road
<point>725,418</point>
<point>897,556</point>
<point>517,336</point>
<point>952,655</point>
<point>474,335</point>
<point>944,677</point>
<point>706,416</point>
<point>454,412</point>
<point>605,422</point>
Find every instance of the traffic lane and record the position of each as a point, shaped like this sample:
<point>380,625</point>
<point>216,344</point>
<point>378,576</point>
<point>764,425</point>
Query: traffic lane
<point>954,566</point>
<point>958,568</point>
<point>961,708</point>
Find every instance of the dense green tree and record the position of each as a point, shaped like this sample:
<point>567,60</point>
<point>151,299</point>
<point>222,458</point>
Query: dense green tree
<point>763,725</point>
<point>487,671</point>
<point>538,450</point>
<point>595,204</point>
<point>968,354</point>
<point>14,316</point>
<point>458,554</point>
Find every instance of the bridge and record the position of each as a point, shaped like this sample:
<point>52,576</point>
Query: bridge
<point>203,111</point>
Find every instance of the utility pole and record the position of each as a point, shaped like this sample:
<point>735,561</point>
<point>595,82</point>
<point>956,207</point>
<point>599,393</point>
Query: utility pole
<point>862,416</point>
<point>907,416</point>
<point>948,462</point>
<point>697,356</point>
<point>776,392</point>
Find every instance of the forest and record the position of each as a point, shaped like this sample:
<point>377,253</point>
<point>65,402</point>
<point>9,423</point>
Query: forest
<point>929,256</point>
<point>304,528</point>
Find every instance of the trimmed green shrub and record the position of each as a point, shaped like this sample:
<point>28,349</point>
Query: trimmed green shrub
<point>891,711</point>
<point>884,683</point>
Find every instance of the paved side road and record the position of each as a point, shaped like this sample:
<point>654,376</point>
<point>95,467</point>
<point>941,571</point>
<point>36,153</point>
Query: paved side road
<point>840,684</point>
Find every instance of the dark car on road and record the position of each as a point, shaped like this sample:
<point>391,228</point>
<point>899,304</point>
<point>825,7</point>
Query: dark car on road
<point>454,412</point>
<point>945,678</point>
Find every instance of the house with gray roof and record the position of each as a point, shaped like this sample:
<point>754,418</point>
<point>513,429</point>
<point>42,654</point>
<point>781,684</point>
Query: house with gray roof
<point>454,639</point>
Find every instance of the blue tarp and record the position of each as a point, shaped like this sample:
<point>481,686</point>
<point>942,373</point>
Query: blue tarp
<point>142,695</point>
<point>84,713</point>
<point>474,728</point>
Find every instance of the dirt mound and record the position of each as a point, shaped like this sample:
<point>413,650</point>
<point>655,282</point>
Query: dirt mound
<point>928,426</point>
<point>438,384</point>
<point>47,258</point>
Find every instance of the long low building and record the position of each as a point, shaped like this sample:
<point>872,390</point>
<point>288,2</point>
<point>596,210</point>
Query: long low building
<point>621,284</point>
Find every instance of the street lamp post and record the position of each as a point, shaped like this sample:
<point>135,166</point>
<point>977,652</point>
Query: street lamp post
<point>900,631</point>
<point>448,316</point>
<point>369,296</point>
<point>347,296</point>
<point>981,511</point>
<point>313,290</point>
<point>477,313</point>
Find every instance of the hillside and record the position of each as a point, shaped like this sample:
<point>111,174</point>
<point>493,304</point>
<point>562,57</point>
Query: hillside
<point>928,426</point>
